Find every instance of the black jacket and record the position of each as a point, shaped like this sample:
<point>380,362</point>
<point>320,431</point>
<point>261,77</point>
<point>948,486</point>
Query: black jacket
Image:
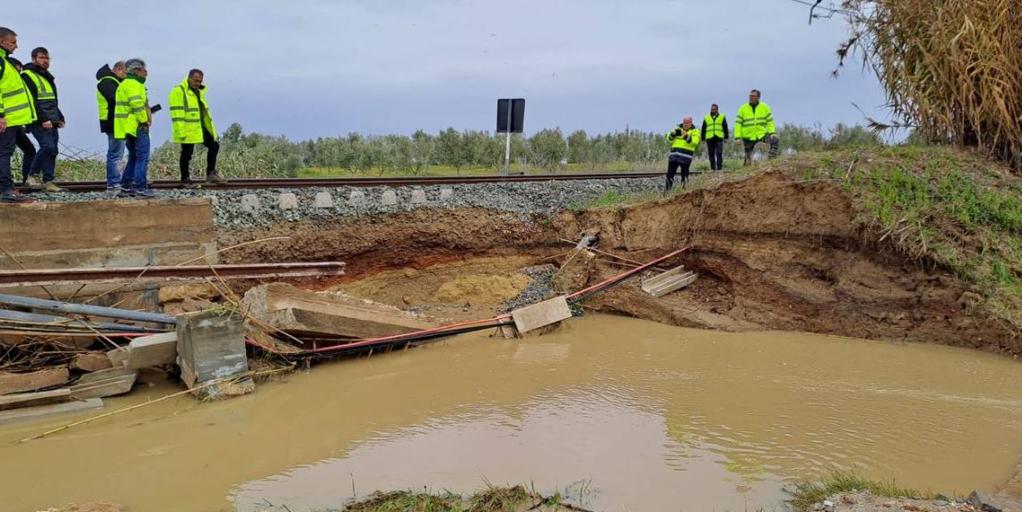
<point>107,88</point>
<point>48,110</point>
<point>727,134</point>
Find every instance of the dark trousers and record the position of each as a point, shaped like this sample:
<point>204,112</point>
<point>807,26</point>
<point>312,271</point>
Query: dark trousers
<point>187,150</point>
<point>8,140</point>
<point>673,164</point>
<point>45,161</point>
<point>715,151</point>
<point>750,147</point>
<point>27,153</point>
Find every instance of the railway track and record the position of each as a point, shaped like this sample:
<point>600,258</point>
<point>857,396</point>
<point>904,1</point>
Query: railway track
<point>95,186</point>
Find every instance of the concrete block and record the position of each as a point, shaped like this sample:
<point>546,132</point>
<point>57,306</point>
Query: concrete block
<point>17,400</point>
<point>104,383</point>
<point>389,198</point>
<point>41,411</point>
<point>446,194</point>
<point>323,200</point>
<point>418,196</point>
<point>250,203</point>
<point>91,361</point>
<point>118,357</point>
<point>210,346</point>
<point>357,198</point>
<point>31,381</point>
<point>155,350</point>
<point>287,201</point>
<point>542,314</point>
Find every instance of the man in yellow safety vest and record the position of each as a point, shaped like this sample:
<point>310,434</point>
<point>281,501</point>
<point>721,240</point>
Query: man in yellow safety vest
<point>43,88</point>
<point>193,124</point>
<point>17,110</point>
<point>684,140</point>
<point>755,124</point>
<point>714,132</point>
<point>107,81</point>
<point>132,118</point>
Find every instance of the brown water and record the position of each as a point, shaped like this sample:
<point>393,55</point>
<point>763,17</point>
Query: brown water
<point>622,414</point>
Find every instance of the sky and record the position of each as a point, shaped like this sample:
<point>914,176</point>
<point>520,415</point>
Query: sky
<point>310,68</point>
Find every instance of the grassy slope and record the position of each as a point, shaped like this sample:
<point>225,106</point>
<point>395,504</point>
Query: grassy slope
<point>933,204</point>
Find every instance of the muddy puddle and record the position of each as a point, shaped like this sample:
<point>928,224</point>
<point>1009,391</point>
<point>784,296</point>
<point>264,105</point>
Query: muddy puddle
<point>621,414</point>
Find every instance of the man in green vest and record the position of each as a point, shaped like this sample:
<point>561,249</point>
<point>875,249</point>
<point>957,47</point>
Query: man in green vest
<point>714,132</point>
<point>17,110</point>
<point>132,118</point>
<point>43,87</point>
<point>755,124</point>
<point>193,124</point>
<point>684,140</point>
<point>23,142</point>
<point>107,80</point>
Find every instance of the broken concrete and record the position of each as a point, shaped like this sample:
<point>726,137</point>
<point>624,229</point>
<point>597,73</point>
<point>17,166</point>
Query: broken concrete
<point>31,381</point>
<point>30,413</point>
<point>539,315</point>
<point>91,361</point>
<point>288,308</point>
<point>667,282</point>
<point>18,400</point>
<point>154,350</point>
<point>210,346</point>
<point>104,383</point>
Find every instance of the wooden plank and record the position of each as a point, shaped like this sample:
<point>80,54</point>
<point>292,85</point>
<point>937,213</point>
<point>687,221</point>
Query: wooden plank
<point>26,399</point>
<point>42,411</point>
<point>660,279</point>
<point>542,314</point>
<point>31,381</point>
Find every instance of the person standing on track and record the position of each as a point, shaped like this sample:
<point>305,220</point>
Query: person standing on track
<point>43,88</point>
<point>714,132</point>
<point>755,124</point>
<point>23,142</point>
<point>132,118</point>
<point>17,110</point>
<point>107,81</point>
<point>193,124</point>
<point>684,140</point>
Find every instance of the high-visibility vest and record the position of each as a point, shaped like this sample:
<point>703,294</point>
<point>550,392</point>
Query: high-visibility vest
<point>130,107</point>
<point>43,89</point>
<point>104,106</point>
<point>679,142</point>
<point>754,125</point>
<point>714,127</point>
<point>186,114</point>
<point>16,103</point>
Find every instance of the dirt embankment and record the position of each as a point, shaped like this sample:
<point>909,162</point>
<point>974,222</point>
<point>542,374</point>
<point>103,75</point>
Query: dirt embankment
<point>772,253</point>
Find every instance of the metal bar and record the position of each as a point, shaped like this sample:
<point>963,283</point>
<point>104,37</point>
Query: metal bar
<point>65,322</point>
<point>85,309</point>
<point>243,271</point>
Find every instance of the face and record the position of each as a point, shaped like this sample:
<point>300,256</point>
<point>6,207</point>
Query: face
<point>9,43</point>
<point>120,72</point>
<point>142,72</point>
<point>754,97</point>
<point>195,81</point>
<point>42,60</point>
<point>687,123</point>
<point>714,110</point>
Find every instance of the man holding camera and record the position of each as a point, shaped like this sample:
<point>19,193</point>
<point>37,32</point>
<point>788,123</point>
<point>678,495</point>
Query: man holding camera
<point>684,140</point>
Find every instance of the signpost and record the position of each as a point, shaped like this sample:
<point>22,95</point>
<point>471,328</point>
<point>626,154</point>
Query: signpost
<point>510,119</point>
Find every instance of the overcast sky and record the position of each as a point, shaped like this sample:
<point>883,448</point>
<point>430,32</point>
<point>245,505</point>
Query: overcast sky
<point>308,68</point>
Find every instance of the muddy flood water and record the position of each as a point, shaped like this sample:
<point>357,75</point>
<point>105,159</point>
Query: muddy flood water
<point>621,414</point>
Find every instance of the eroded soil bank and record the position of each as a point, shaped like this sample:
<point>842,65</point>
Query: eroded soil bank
<point>771,252</point>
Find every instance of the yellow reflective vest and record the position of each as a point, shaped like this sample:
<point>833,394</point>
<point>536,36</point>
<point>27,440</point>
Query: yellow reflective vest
<point>186,114</point>
<point>678,141</point>
<point>104,107</point>
<point>714,127</point>
<point>754,124</point>
<point>16,104</point>
<point>131,107</point>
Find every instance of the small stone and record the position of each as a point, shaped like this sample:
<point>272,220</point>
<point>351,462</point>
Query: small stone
<point>323,200</point>
<point>287,201</point>
<point>389,198</point>
<point>357,197</point>
<point>418,196</point>
<point>250,203</point>
<point>446,194</point>
<point>982,501</point>
<point>848,500</point>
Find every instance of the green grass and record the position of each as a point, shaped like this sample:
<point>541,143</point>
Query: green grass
<point>808,493</point>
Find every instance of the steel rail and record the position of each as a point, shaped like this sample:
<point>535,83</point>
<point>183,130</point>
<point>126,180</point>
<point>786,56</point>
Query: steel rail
<point>257,183</point>
<point>145,274</point>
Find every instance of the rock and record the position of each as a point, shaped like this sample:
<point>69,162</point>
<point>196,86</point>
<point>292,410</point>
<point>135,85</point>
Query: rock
<point>91,361</point>
<point>250,203</point>
<point>848,500</point>
<point>982,501</point>
<point>182,292</point>
<point>287,201</point>
<point>323,200</point>
<point>389,198</point>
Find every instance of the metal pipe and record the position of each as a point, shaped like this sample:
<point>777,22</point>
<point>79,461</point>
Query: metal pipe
<point>63,321</point>
<point>85,309</point>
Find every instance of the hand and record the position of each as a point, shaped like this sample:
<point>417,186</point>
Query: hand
<point>47,125</point>
<point>3,124</point>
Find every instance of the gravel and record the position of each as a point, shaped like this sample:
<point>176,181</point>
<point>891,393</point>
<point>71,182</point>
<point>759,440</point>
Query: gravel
<point>543,197</point>
<point>538,290</point>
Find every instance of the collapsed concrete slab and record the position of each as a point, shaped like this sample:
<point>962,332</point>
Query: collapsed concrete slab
<point>291,309</point>
<point>542,314</point>
<point>154,350</point>
<point>31,381</point>
<point>211,347</point>
<point>104,383</point>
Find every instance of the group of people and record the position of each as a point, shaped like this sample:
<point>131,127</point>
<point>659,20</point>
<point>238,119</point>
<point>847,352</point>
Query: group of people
<point>753,124</point>
<point>29,106</point>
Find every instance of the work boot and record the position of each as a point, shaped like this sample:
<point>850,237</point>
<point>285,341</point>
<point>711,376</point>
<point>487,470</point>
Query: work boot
<point>191,184</point>
<point>33,182</point>
<point>215,179</point>
<point>52,187</point>
<point>10,196</point>
<point>144,193</point>
<point>124,193</point>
